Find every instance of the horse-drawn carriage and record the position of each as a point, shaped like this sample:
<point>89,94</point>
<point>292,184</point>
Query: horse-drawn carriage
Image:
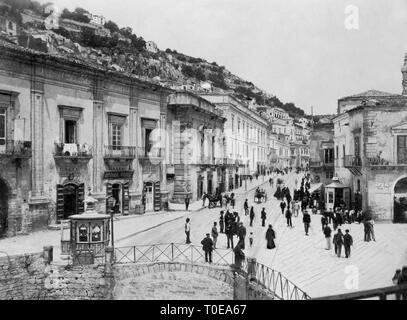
<point>213,199</point>
<point>259,195</point>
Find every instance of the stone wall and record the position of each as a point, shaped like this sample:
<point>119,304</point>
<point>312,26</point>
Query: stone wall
<point>28,277</point>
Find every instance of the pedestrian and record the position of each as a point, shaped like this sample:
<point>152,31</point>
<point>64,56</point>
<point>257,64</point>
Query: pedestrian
<point>397,279</point>
<point>366,227</point>
<point>327,233</point>
<point>288,215</point>
<point>323,221</point>
<point>330,216</point>
<point>306,218</point>
<point>347,243</point>
<point>188,230</point>
<point>221,222</point>
<point>334,222</point>
<point>263,217</point>
<point>239,255</point>
<point>232,200</point>
<point>270,236</point>
<point>251,216</point>
<point>203,199</point>
<point>246,207</point>
<point>229,235</point>
<point>186,202</point>
<point>207,246</point>
<point>282,206</point>
<point>338,242</point>
<point>251,239</point>
<point>214,234</point>
<point>241,233</point>
<point>371,229</point>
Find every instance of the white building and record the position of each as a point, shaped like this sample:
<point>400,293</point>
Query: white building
<point>151,46</point>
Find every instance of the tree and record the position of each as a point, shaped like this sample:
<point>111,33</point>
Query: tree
<point>113,27</point>
<point>126,32</point>
<point>79,15</point>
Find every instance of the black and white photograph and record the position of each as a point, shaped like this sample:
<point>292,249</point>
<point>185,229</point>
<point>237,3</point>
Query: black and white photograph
<point>203,150</point>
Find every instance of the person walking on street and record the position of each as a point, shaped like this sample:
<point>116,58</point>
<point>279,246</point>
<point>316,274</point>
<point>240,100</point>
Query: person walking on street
<point>252,215</point>
<point>327,233</point>
<point>366,227</point>
<point>221,222</point>
<point>324,221</point>
<point>188,231</point>
<point>207,246</point>
<point>241,233</point>
<point>347,243</point>
<point>296,206</point>
<point>270,236</point>
<point>186,202</point>
<point>229,235</point>
<point>239,255</point>
<point>338,242</point>
<point>282,206</point>
<point>306,218</point>
<point>251,239</point>
<point>288,215</point>
<point>263,217</point>
<point>214,234</point>
<point>203,199</point>
<point>371,229</point>
<point>246,207</point>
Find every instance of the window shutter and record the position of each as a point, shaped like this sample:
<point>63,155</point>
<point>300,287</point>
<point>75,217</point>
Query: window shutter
<point>60,202</point>
<point>108,190</point>
<point>157,196</point>
<point>80,198</point>
<point>126,198</point>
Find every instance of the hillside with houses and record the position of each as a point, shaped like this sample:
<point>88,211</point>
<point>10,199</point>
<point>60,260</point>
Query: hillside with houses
<point>93,39</point>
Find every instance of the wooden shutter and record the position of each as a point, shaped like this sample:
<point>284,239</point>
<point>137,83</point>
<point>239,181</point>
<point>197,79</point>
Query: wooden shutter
<point>126,198</point>
<point>157,196</point>
<point>108,194</point>
<point>80,198</point>
<point>60,202</point>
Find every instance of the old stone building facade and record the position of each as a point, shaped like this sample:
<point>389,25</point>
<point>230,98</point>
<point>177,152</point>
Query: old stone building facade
<point>67,128</point>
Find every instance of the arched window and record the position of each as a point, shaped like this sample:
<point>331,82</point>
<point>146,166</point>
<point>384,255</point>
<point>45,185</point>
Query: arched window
<point>83,233</point>
<point>96,233</point>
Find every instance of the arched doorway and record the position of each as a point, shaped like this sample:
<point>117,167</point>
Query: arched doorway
<point>4,194</point>
<point>400,201</point>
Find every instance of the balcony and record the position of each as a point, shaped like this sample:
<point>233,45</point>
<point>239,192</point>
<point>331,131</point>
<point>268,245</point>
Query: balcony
<point>377,163</point>
<point>353,164</point>
<point>150,153</point>
<point>72,153</point>
<point>120,152</point>
<point>16,149</point>
<point>320,164</point>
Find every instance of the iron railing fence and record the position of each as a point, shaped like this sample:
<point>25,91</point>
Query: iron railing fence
<point>274,282</point>
<point>172,252</point>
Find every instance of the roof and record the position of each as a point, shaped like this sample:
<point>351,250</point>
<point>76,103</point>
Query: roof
<point>371,94</point>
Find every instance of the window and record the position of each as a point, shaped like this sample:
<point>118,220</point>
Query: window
<point>337,152</point>
<point>2,126</point>
<point>96,233</point>
<point>402,149</point>
<point>70,131</point>
<point>10,25</point>
<point>358,188</point>
<point>83,233</point>
<point>329,174</point>
<point>330,197</point>
<point>116,136</point>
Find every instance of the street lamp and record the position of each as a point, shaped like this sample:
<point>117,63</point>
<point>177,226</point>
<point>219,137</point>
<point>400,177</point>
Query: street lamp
<point>111,202</point>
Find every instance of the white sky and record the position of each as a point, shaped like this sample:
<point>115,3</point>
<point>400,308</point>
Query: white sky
<point>298,50</point>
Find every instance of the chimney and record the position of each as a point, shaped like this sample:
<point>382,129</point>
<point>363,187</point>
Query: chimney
<point>404,73</point>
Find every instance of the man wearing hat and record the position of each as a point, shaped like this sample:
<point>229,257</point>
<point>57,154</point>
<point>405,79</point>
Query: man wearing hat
<point>207,246</point>
<point>241,233</point>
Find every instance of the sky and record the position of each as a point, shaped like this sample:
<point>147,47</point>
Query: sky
<point>302,51</point>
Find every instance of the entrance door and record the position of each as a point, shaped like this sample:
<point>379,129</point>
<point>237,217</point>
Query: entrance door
<point>200,187</point>
<point>149,194</point>
<point>117,195</point>
<point>3,208</point>
<point>209,186</point>
<point>400,202</point>
<point>70,199</point>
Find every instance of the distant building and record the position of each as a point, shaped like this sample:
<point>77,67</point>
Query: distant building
<point>96,19</point>
<point>8,26</point>
<point>151,46</point>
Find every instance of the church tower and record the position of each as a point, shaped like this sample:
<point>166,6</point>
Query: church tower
<point>404,72</point>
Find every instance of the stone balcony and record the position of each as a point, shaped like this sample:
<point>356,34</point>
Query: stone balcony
<point>16,149</point>
<point>72,153</point>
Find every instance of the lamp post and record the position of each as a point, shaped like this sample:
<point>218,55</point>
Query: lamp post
<point>111,202</point>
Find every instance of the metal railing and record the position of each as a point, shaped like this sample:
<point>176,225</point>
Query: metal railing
<point>172,252</point>
<point>398,292</point>
<point>144,152</point>
<point>74,150</point>
<point>120,152</point>
<point>352,161</point>
<point>16,148</point>
<point>275,282</point>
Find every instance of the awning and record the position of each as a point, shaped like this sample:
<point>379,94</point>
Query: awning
<point>315,187</point>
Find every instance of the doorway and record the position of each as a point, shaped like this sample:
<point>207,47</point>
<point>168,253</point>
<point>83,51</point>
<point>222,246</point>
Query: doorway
<point>70,200</point>
<point>200,187</point>
<point>149,196</point>
<point>117,195</point>
<point>400,201</point>
<point>3,208</point>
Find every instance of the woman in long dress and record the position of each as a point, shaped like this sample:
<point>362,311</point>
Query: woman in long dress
<point>270,236</point>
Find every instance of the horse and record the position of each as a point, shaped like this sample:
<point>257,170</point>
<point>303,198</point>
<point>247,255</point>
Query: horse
<point>260,195</point>
<point>213,200</point>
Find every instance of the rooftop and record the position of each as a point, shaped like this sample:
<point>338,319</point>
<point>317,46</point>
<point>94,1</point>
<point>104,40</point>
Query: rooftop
<point>371,94</point>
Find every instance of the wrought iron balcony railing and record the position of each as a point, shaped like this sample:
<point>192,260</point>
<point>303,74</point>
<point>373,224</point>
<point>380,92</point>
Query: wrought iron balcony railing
<point>147,153</point>
<point>72,150</point>
<point>120,152</point>
<point>15,149</point>
<point>352,161</point>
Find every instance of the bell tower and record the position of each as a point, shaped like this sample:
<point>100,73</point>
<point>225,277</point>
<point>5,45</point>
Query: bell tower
<point>404,73</point>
